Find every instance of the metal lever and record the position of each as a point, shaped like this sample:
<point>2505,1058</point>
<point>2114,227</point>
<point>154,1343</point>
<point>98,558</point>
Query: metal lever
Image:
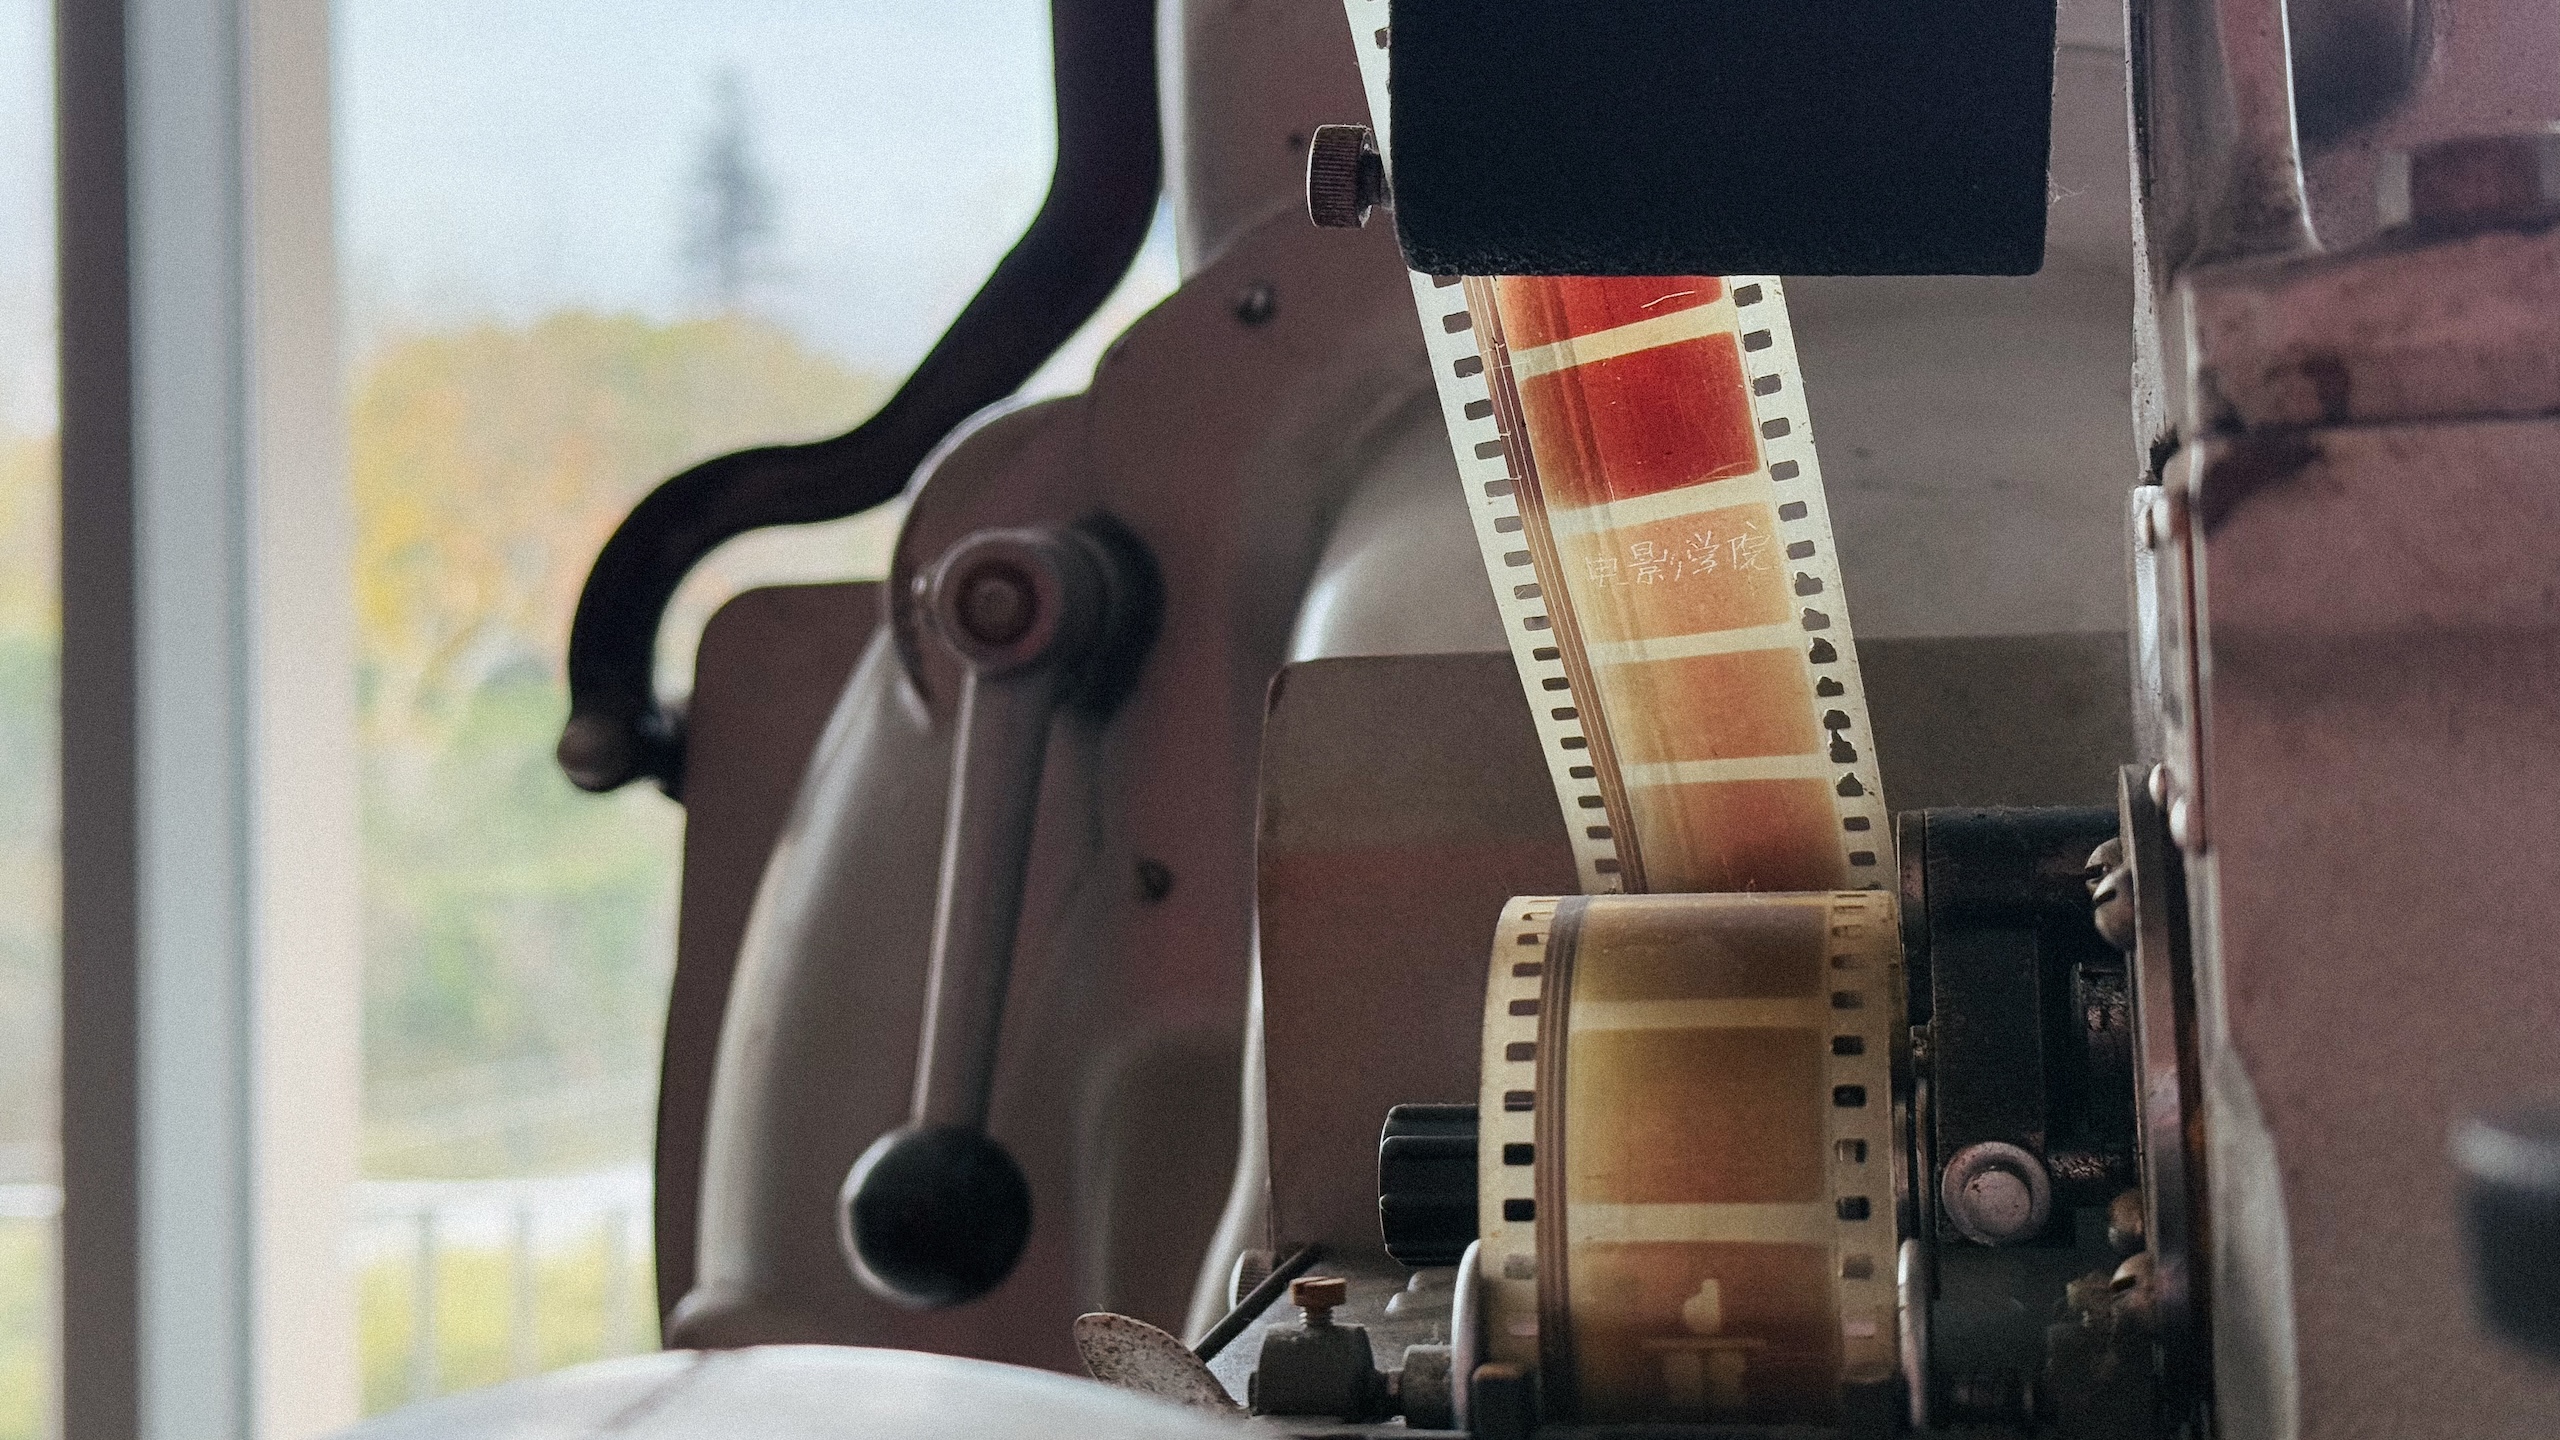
<point>936,1213</point>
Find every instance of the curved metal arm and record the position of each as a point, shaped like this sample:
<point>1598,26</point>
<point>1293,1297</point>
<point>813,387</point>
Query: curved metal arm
<point>936,1212</point>
<point>1101,199</point>
<point>1022,609</point>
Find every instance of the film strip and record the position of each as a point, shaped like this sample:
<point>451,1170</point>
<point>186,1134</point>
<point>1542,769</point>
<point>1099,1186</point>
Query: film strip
<point>1687,1196</point>
<point>1639,464</point>
<point>1686,1191</point>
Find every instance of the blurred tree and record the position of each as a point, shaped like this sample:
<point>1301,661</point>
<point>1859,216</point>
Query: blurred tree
<point>733,218</point>
<point>27,602</point>
<point>29,622</point>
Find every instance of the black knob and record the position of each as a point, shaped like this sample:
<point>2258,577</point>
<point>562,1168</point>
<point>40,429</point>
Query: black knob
<point>1427,1183</point>
<point>2511,1160</point>
<point>934,1215</point>
<point>1346,178</point>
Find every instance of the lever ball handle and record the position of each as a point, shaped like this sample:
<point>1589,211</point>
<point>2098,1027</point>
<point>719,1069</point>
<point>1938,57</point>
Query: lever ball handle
<point>936,1213</point>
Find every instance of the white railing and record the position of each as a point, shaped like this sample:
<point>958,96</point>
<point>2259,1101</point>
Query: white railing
<point>422,1221</point>
<point>24,1208</point>
<point>417,1224</point>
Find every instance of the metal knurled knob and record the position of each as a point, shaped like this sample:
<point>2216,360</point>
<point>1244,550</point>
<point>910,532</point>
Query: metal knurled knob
<point>1345,176</point>
<point>1317,1295</point>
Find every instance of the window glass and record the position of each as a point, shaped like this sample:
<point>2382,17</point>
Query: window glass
<point>585,246</point>
<point>30,1196</point>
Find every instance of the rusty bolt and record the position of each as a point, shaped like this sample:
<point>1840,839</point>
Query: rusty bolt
<point>1346,177</point>
<point>1316,1295</point>
<point>2473,182</point>
<point>2127,1222</point>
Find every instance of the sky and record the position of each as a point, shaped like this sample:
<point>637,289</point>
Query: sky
<point>26,214</point>
<point>503,158</point>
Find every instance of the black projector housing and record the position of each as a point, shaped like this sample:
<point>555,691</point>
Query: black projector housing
<point>1720,137</point>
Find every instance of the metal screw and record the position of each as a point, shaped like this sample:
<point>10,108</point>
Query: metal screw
<point>2473,182</point>
<point>1256,303</point>
<point>1996,1193</point>
<point>1316,1295</point>
<point>2165,522</point>
<point>2186,830</point>
<point>1346,177</point>
<point>1252,1268</point>
<point>2111,893</point>
<point>2126,1222</point>
<point>997,604</point>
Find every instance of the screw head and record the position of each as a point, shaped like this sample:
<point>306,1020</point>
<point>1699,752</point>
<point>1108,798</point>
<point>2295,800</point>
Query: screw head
<point>2185,831</point>
<point>2111,908</point>
<point>2127,1222</point>
<point>1996,1193</point>
<point>2472,182</point>
<point>997,604</point>
<point>1257,303</point>
<point>2165,522</point>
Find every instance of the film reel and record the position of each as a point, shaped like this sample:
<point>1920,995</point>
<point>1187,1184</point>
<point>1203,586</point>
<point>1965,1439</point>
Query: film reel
<point>1687,1187</point>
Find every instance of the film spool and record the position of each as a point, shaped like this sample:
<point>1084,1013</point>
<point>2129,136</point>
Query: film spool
<point>1685,1178</point>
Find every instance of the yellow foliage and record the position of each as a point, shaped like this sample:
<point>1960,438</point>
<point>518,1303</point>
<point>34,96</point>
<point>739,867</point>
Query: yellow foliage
<point>27,554</point>
<point>589,1303</point>
<point>490,463</point>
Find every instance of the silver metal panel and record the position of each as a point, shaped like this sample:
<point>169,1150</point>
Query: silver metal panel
<point>1228,443</point>
<point>2381,661</point>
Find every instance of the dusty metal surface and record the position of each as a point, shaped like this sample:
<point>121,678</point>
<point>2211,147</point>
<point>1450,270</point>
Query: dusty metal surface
<point>2381,661</point>
<point>2421,72</point>
<point>1134,1355</point>
<point>2461,327</point>
<point>1226,446</point>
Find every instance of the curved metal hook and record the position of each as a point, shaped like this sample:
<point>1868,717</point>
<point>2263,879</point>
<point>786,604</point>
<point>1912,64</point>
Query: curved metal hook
<point>1101,199</point>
